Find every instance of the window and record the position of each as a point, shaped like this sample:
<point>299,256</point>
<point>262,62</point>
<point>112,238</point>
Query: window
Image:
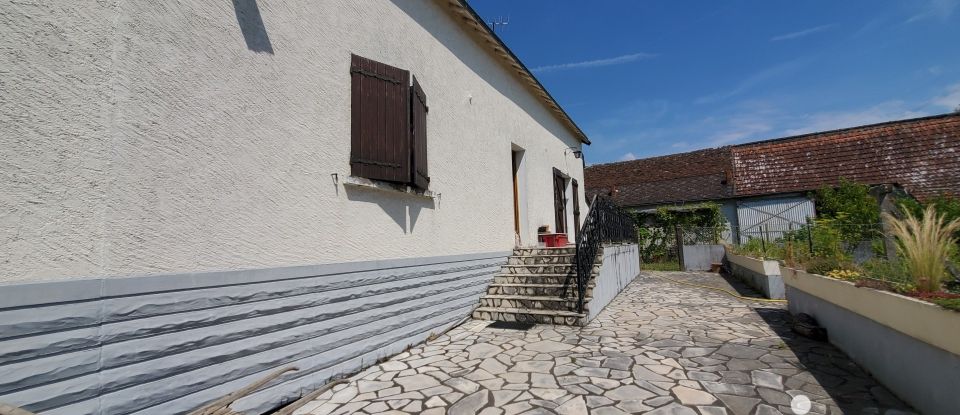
<point>388,124</point>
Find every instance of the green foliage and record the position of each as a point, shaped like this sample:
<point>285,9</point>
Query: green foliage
<point>945,205</point>
<point>948,303</point>
<point>703,215</point>
<point>823,265</point>
<point>661,266</point>
<point>926,244</point>
<point>657,236</point>
<point>828,240</point>
<point>852,210</point>
<point>656,245</point>
<point>758,248</point>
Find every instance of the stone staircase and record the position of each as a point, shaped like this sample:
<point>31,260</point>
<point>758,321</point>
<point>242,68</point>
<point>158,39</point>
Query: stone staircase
<point>537,285</point>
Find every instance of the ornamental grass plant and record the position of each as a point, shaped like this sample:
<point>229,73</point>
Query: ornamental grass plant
<point>926,244</point>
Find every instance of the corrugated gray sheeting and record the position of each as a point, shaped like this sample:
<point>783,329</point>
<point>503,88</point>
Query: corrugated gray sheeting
<point>166,344</point>
<point>770,218</point>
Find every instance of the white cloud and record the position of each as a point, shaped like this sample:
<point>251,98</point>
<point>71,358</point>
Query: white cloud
<point>738,131</point>
<point>801,33</point>
<point>935,9</point>
<point>951,99</point>
<point>754,80</point>
<point>628,157</point>
<point>617,60</point>
<point>832,120</point>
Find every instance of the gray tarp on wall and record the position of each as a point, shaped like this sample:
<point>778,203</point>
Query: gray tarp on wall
<point>166,344</point>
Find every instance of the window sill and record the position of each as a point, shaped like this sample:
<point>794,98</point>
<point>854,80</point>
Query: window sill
<point>388,187</point>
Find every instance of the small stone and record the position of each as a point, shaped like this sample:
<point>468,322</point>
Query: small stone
<point>435,402</point>
<point>344,395</point>
<point>393,366</point>
<point>493,366</point>
<point>502,397</point>
<point>417,382</point>
<point>547,394</point>
<point>376,407</point>
<point>462,385</point>
<point>712,410</point>
<point>548,346</point>
<point>471,404</point>
<point>767,379</point>
<point>769,410</point>
<point>672,409</point>
<point>738,404</point>
<point>534,366</point>
<point>595,401</point>
<point>628,393</point>
<point>575,406</point>
<point>688,396</point>
<point>483,350</point>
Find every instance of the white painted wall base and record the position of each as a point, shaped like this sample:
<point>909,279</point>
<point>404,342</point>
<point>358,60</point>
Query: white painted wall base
<point>166,344</point>
<point>762,275</point>
<point>621,264</point>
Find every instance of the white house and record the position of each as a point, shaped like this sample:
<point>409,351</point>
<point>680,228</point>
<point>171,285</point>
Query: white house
<point>197,193</point>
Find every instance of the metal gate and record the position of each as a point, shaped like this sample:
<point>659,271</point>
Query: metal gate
<point>769,219</point>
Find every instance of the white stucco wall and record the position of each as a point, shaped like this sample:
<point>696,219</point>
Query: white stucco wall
<point>143,137</point>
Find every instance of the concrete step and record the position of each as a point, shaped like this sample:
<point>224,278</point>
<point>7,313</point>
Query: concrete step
<point>530,302</point>
<point>538,278</point>
<point>542,269</point>
<point>567,250</point>
<point>540,290</point>
<point>569,318</point>
<point>540,259</point>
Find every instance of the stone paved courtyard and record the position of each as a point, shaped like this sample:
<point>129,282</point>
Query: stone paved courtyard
<point>659,348</point>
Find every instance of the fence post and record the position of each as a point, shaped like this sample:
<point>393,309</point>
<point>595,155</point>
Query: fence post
<point>763,240</point>
<point>809,236</point>
<point>679,236</point>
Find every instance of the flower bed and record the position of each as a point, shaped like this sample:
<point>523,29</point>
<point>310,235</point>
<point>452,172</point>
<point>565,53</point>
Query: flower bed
<point>911,346</point>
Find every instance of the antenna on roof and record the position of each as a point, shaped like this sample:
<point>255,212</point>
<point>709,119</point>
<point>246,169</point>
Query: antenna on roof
<point>500,22</point>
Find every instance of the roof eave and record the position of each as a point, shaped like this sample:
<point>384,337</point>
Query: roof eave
<point>500,49</point>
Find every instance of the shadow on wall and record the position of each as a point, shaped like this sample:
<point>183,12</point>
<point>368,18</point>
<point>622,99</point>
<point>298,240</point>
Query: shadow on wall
<point>459,42</point>
<point>402,208</point>
<point>251,24</point>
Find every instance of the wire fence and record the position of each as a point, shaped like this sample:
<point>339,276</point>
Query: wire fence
<point>856,251</point>
<point>661,248</point>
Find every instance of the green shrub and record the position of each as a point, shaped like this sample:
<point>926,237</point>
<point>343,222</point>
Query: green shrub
<point>823,265</point>
<point>852,210</point>
<point>948,303</point>
<point>926,244</point>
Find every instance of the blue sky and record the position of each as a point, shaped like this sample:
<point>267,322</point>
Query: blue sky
<point>652,77</point>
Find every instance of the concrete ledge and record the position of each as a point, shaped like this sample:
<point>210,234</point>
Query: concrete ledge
<point>921,374</point>
<point>762,275</point>
<point>621,264</point>
<point>924,321</point>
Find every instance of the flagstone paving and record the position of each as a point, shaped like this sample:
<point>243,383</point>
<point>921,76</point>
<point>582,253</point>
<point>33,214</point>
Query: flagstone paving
<point>659,348</point>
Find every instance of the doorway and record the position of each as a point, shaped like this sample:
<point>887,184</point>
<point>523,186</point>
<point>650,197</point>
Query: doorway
<point>575,189</point>
<point>560,200</point>
<point>517,180</point>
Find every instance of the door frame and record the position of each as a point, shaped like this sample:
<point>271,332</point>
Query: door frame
<point>560,201</point>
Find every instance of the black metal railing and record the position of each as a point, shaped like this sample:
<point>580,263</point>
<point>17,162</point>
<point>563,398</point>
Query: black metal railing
<point>605,223</point>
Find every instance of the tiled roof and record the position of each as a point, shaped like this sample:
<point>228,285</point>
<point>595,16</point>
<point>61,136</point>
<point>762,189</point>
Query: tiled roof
<point>922,155</point>
<point>698,175</point>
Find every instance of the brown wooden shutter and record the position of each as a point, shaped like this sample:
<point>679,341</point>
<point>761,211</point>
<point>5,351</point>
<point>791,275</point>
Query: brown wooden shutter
<point>380,123</point>
<point>418,135</point>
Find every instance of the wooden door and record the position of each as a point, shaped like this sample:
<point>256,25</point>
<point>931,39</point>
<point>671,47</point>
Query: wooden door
<point>575,188</point>
<point>516,192</point>
<point>560,202</point>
